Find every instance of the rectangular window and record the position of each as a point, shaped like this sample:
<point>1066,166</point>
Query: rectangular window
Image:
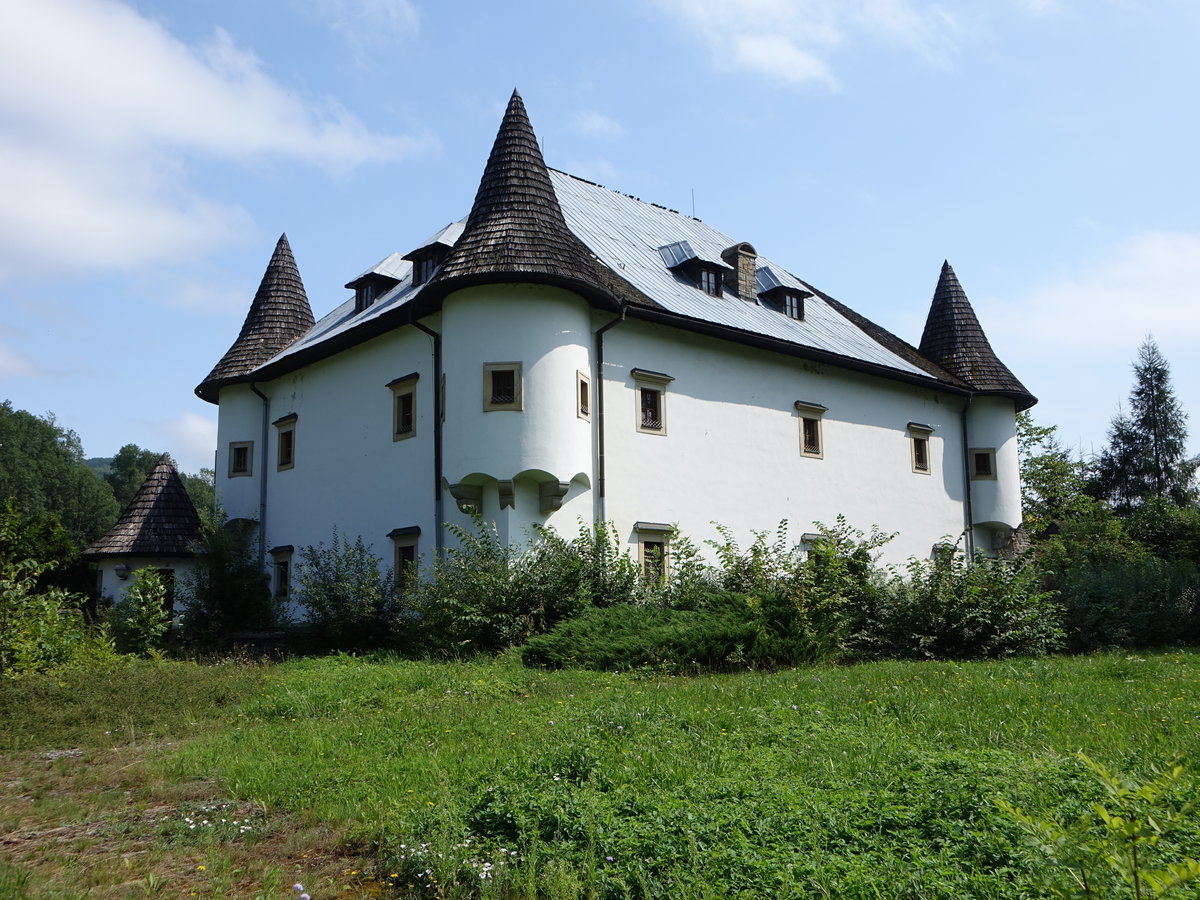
<point>286,445</point>
<point>654,549</point>
<point>404,406</point>
<point>241,458</point>
<point>651,388</point>
<point>983,464</point>
<point>502,386</point>
<point>282,557</point>
<point>918,440</point>
<point>709,281</point>
<point>793,306</point>
<point>423,269</point>
<point>583,395</point>
<point>404,541</point>
<point>811,444</point>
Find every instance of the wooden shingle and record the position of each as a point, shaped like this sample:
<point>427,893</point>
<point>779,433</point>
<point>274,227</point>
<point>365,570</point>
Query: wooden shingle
<point>160,520</point>
<point>279,314</point>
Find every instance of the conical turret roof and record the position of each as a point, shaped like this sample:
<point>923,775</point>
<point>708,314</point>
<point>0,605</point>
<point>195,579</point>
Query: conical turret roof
<point>954,340</point>
<point>516,230</point>
<point>160,520</point>
<point>279,314</point>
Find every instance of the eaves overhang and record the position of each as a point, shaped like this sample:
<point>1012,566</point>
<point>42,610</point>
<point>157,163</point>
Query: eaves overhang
<point>787,348</point>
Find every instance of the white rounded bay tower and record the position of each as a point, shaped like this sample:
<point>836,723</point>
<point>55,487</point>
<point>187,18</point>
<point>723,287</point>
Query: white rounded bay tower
<point>955,341</point>
<point>516,294</point>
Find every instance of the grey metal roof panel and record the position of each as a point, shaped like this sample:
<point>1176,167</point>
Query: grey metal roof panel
<point>445,237</point>
<point>393,266</point>
<point>626,235</point>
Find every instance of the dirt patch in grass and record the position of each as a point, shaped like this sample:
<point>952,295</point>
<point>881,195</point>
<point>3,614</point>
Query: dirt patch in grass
<point>99,823</point>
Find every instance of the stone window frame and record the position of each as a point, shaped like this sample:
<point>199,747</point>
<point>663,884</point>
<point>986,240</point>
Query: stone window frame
<point>811,416</point>
<point>405,550</point>
<point>983,454</point>
<point>285,442</point>
<point>652,535</point>
<point>646,381</point>
<point>282,564</point>
<point>920,451</point>
<point>404,388</point>
<point>246,471</point>
<point>583,395</point>
<point>517,404</point>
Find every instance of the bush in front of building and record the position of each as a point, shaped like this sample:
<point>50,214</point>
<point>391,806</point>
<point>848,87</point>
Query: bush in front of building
<point>139,623</point>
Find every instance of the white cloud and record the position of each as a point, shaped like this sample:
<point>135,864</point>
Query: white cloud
<point>594,124</point>
<point>192,439</point>
<point>792,41</point>
<point>100,109</point>
<point>369,23</point>
<point>1145,284</point>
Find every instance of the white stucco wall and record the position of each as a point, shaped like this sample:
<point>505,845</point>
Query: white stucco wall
<point>114,589</point>
<point>348,470</point>
<point>991,425</point>
<point>731,454</point>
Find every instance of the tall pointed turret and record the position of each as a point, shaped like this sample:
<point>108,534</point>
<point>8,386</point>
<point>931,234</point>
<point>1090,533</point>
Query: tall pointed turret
<point>954,340</point>
<point>279,314</point>
<point>516,231</point>
<point>160,520</point>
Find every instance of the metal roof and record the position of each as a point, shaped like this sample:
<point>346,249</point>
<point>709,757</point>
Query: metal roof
<point>632,238</point>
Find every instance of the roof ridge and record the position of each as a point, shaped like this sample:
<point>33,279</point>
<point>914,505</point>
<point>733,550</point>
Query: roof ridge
<point>160,520</point>
<point>954,339</point>
<point>278,315</point>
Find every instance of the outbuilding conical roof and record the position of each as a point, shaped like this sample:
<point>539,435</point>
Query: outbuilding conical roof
<point>160,520</point>
<point>954,339</point>
<point>279,314</point>
<point>516,231</point>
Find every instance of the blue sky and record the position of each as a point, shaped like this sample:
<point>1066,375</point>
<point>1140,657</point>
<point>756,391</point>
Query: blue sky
<point>152,152</point>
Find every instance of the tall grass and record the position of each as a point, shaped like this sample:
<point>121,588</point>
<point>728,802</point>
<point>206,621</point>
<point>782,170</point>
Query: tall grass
<point>872,781</point>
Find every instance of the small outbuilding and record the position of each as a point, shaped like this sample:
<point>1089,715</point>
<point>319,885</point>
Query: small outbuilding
<point>159,529</point>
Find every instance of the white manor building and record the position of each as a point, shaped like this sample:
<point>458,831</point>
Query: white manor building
<point>568,353</point>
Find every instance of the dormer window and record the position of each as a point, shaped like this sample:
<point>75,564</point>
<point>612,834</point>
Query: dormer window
<point>774,294</point>
<point>683,260</point>
<point>424,266</point>
<point>364,296</point>
<point>793,305</point>
<point>708,280</point>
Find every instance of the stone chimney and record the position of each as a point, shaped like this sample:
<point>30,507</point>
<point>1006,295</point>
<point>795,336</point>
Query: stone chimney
<point>744,260</point>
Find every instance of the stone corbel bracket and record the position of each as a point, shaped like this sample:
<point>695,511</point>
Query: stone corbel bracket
<point>551,493</point>
<point>469,497</point>
<point>507,499</point>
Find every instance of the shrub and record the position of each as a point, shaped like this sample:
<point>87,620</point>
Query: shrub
<point>140,621</point>
<point>350,602</point>
<point>949,608</point>
<point>1130,603</point>
<point>227,591</point>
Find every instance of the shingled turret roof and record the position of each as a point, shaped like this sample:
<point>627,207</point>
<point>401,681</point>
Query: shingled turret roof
<point>954,340</point>
<point>160,520</point>
<point>278,315</point>
<point>516,231</point>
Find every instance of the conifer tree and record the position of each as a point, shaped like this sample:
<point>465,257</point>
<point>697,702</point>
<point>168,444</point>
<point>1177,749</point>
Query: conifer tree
<point>1146,454</point>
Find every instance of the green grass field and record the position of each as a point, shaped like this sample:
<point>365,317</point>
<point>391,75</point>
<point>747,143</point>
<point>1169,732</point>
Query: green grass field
<point>381,777</point>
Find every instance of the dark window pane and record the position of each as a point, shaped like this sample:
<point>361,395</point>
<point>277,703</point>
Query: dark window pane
<point>812,436</point>
<point>504,386</point>
<point>651,408</point>
<point>921,454</point>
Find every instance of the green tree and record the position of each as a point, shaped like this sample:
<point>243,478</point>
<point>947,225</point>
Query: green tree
<point>1146,453</point>
<point>141,620</point>
<point>128,469</point>
<point>1052,484</point>
<point>42,468</point>
<point>202,489</point>
<point>227,592</point>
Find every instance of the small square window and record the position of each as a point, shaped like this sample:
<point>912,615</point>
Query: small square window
<point>651,388</point>
<point>404,406</point>
<point>583,396</point>
<point>241,456</point>
<point>983,464</point>
<point>286,446</point>
<point>502,386</point>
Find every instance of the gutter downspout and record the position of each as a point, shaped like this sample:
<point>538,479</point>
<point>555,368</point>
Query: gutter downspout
<point>262,481</point>
<point>599,507</point>
<point>439,539</point>
<point>968,513</point>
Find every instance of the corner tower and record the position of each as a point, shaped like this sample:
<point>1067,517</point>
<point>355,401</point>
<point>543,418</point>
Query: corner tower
<point>954,339</point>
<point>516,294</point>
